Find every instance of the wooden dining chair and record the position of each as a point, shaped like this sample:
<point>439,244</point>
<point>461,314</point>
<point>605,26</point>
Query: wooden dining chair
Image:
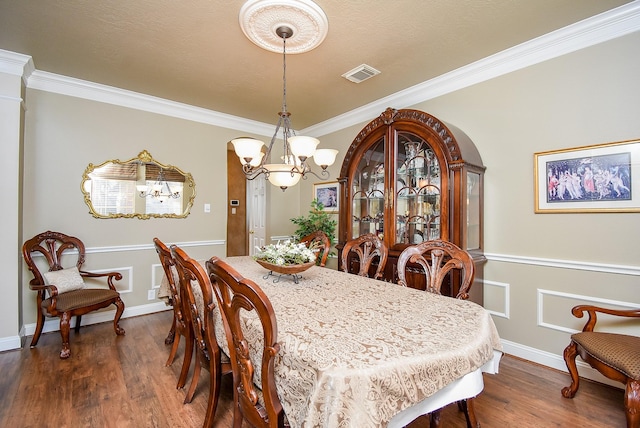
<point>322,242</point>
<point>202,308</point>
<point>616,356</point>
<point>62,292</point>
<point>367,248</point>
<point>180,326</point>
<point>256,399</point>
<point>438,259</point>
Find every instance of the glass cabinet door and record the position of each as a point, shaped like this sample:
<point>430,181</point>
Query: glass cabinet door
<point>473,210</point>
<point>368,192</point>
<point>418,190</point>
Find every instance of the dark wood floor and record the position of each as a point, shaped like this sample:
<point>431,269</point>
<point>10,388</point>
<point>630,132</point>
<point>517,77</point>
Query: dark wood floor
<point>112,381</point>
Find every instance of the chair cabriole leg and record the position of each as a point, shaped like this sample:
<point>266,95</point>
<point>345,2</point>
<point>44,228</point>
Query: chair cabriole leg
<point>39,326</point>
<point>186,361</point>
<point>215,377</point>
<point>194,380</point>
<point>632,403</point>
<point>78,321</point>
<point>172,333</point>
<point>570,353</point>
<point>470,413</point>
<point>119,310</point>
<point>64,332</point>
<point>434,419</point>
<point>174,350</point>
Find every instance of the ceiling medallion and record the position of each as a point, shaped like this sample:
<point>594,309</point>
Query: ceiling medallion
<point>259,20</point>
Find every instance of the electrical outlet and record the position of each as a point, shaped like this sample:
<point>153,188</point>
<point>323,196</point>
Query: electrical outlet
<point>151,294</point>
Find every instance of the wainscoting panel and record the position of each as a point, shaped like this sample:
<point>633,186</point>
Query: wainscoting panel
<point>496,298</point>
<point>555,306</point>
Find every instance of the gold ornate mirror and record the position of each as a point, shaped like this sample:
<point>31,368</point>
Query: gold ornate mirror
<point>140,187</point>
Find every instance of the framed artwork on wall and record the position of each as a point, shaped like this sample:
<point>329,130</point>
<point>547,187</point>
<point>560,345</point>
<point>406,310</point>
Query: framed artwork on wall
<point>327,194</point>
<point>591,179</point>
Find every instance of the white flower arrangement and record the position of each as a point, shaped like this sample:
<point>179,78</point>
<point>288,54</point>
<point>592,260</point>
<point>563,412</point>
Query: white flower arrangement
<point>286,253</point>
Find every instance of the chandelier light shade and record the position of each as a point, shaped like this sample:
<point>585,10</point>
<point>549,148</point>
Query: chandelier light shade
<point>160,189</point>
<point>325,157</point>
<point>297,149</point>
<point>247,149</point>
<point>280,175</point>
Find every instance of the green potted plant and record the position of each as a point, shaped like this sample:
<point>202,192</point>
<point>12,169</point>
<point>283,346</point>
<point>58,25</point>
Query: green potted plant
<point>317,219</point>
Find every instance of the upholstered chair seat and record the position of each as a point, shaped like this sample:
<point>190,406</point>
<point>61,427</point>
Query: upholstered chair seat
<point>614,355</point>
<point>618,351</point>
<point>77,299</point>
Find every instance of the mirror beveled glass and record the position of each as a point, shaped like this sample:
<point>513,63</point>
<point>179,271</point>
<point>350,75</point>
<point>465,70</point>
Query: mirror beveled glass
<point>138,188</point>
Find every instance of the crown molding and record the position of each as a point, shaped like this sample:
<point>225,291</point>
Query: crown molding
<point>16,64</point>
<point>591,31</point>
<point>606,26</point>
<point>73,87</point>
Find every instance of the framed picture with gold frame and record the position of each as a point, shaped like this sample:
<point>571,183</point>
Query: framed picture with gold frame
<point>602,178</point>
<point>328,195</point>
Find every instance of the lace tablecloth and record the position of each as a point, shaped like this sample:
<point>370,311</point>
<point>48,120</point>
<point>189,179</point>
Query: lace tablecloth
<point>357,351</point>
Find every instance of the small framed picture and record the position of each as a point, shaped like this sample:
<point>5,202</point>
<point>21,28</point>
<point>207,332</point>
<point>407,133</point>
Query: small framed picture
<point>590,179</point>
<point>327,194</point>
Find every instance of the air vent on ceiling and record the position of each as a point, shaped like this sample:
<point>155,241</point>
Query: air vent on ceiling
<point>360,73</point>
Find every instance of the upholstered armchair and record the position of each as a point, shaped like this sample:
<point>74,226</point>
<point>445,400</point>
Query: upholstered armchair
<point>616,356</point>
<point>62,292</point>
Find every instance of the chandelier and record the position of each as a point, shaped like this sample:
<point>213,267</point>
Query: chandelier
<point>159,189</point>
<point>297,149</point>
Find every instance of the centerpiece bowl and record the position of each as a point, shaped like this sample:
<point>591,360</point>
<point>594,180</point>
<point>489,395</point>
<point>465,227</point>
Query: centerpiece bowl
<point>286,258</point>
<point>286,269</point>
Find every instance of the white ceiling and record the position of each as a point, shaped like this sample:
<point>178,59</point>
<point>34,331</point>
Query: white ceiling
<point>194,51</point>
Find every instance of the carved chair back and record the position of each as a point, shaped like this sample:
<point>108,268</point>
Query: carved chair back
<point>199,299</point>
<point>367,248</point>
<point>179,325</point>
<point>438,258</point>
<point>324,244</point>
<point>260,404</point>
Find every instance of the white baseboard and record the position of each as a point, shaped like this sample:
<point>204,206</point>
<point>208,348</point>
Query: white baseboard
<point>10,342</point>
<point>53,324</point>
<point>555,361</point>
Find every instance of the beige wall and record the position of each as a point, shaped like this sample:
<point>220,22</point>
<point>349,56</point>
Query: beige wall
<point>65,134</point>
<point>540,265</point>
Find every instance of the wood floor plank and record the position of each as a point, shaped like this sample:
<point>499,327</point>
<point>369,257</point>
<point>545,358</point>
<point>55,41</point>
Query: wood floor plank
<point>121,382</point>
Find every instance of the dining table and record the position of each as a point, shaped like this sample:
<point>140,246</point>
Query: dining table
<point>360,352</point>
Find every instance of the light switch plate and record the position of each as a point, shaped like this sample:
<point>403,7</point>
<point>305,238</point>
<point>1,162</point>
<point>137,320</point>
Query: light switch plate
<point>207,208</point>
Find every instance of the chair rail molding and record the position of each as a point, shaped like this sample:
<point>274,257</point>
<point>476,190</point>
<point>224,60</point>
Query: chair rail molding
<point>565,264</point>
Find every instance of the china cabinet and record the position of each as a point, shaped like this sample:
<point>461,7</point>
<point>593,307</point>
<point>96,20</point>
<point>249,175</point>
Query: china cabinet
<point>409,177</point>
